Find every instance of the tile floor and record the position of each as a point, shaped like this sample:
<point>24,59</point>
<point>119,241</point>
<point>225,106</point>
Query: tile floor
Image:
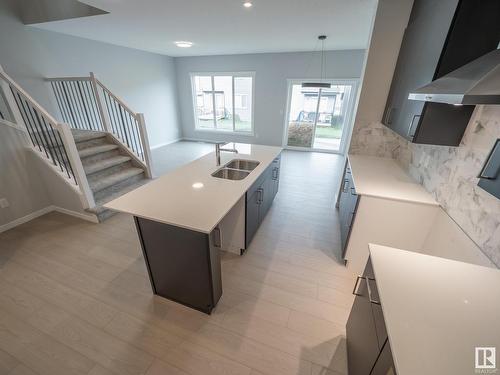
<point>75,296</point>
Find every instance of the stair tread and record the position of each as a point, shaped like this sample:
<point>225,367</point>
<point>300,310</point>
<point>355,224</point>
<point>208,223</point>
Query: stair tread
<point>86,135</point>
<point>99,208</point>
<point>114,178</point>
<point>90,151</point>
<point>105,163</point>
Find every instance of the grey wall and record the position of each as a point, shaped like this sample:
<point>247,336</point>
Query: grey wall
<point>20,181</point>
<point>144,80</point>
<point>271,73</point>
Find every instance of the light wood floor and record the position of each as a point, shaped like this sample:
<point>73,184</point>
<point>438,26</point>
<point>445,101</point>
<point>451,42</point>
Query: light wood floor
<point>75,296</point>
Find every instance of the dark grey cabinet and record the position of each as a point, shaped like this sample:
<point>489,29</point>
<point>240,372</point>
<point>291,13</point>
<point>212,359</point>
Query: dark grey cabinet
<point>259,199</point>
<point>365,330</point>
<point>348,204</point>
<point>442,35</point>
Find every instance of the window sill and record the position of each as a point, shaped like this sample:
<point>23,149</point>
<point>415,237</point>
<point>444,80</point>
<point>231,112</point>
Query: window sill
<point>218,131</point>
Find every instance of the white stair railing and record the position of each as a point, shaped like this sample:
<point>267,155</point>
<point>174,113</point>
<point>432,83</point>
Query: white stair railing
<point>50,139</point>
<point>86,104</point>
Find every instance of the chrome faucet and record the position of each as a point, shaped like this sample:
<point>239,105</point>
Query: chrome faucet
<point>218,150</point>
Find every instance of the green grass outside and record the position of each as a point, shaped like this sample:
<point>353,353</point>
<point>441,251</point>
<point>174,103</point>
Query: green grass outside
<point>328,132</point>
<point>227,124</point>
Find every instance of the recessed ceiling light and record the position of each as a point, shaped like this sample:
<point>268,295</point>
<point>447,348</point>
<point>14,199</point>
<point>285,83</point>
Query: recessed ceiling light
<point>198,185</point>
<point>184,44</point>
<point>247,4</point>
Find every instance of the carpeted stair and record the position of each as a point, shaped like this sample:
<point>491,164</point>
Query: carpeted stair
<point>110,172</point>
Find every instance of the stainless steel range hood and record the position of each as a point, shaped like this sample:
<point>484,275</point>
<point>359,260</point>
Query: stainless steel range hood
<point>477,82</point>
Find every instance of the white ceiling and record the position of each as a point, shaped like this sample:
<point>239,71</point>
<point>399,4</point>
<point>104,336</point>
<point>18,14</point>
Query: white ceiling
<point>219,27</point>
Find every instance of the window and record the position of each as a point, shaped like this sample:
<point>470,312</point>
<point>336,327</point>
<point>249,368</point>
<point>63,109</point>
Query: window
<point>223,101</point>
<point>320,118</point>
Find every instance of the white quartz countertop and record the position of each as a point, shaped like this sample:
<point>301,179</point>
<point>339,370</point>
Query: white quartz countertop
<point>384,178</point>
<point>436,310</point>
<point>189,197</point>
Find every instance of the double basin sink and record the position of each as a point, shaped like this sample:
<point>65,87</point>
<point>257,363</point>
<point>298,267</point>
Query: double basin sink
<point>236,169</point>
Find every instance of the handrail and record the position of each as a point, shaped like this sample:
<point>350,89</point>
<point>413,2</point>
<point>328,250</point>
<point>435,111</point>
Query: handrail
<point>120,101</point>
<point>68,79</point>
<point>50,139</point>
<point>12,83</point>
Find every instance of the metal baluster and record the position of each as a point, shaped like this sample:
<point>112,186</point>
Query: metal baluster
<point>78,109</point>
<point>47,140</point>
<point>108,108</point>
<point>125,128</point>
<point>57,150</point>
<point>18,103</point>
<point>36,134</point>
<point>131,129</point>
<point>117,121</point>
<point>67,163</point>
<point>84,104</point>
<point>65,91</point>
<point>139,139</point>
<point>93,109</point>
<point>60,94</point>
<point>57,98</point>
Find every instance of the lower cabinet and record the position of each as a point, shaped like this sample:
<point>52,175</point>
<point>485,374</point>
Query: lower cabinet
<point>348,203</point>
<point>259,198</point>
<point>368,349</point>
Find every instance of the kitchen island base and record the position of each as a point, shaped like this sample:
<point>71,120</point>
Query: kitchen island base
<point>182,265</point>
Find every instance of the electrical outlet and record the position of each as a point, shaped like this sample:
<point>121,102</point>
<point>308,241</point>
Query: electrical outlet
<point>4,203</point>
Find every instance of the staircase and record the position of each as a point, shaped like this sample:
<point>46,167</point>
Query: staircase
<point>100,148</point>
<point>110,171</point>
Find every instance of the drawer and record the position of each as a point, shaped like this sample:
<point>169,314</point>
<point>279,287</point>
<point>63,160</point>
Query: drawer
<point>378,316</point>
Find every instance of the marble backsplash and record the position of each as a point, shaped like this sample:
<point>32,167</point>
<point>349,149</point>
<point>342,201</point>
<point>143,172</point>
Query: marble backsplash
<point>448,173</point>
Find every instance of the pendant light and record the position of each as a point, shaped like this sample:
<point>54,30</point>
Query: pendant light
<point>319,84</point>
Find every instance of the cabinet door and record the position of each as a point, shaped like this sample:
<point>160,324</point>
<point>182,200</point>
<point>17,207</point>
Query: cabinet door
<point>344,204</point>
<point>385,362</point>
<point>418,59</point>
<point>267,192</point>
<point>252,215</point>
<point>276,175</point>
<point>423,44</point>
<point>362,343</point>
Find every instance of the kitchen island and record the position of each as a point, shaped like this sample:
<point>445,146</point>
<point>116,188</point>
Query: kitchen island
<point>187,216</point>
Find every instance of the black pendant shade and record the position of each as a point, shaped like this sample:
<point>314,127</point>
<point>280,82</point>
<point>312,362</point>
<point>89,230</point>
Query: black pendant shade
<point>317,85</point>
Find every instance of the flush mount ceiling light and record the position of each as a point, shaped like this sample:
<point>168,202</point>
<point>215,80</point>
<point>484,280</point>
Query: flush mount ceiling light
<point>247,4</point>
<point>184,44</point>
<point>319,84</point>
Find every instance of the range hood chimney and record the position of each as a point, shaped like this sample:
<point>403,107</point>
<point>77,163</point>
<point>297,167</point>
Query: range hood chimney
<point>477,82</point>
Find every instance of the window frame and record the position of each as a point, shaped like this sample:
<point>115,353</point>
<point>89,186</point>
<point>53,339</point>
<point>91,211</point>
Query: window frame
<point>212,76</point>
<point>349,123</point>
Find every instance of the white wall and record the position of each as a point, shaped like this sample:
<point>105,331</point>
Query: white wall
<point>271,73</point>
<point>146,81</point>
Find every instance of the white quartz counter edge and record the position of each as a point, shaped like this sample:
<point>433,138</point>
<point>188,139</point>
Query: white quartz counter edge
<point>436,310</point>
<point>384,178</point>
<point>173,198</point>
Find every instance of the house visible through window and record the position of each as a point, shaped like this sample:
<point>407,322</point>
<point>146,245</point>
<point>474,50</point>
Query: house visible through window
<point>223,101</point>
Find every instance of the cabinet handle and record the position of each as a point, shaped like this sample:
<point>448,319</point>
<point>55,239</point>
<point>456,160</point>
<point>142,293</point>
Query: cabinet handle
<point>275,173</point>
<point>345,185</point>
<point>353,190</point>
<point>410,127</point>
<point>260,196</point>
<point>355,290</point>
<point>370,291</point>
<point>218,238</point>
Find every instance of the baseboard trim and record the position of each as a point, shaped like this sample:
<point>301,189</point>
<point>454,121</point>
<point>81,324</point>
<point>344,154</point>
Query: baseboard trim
<point>166,143</point>
<point>25,219</point>
<point>43,211</point>
<point>88,217</point>
<point>200,140</point>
